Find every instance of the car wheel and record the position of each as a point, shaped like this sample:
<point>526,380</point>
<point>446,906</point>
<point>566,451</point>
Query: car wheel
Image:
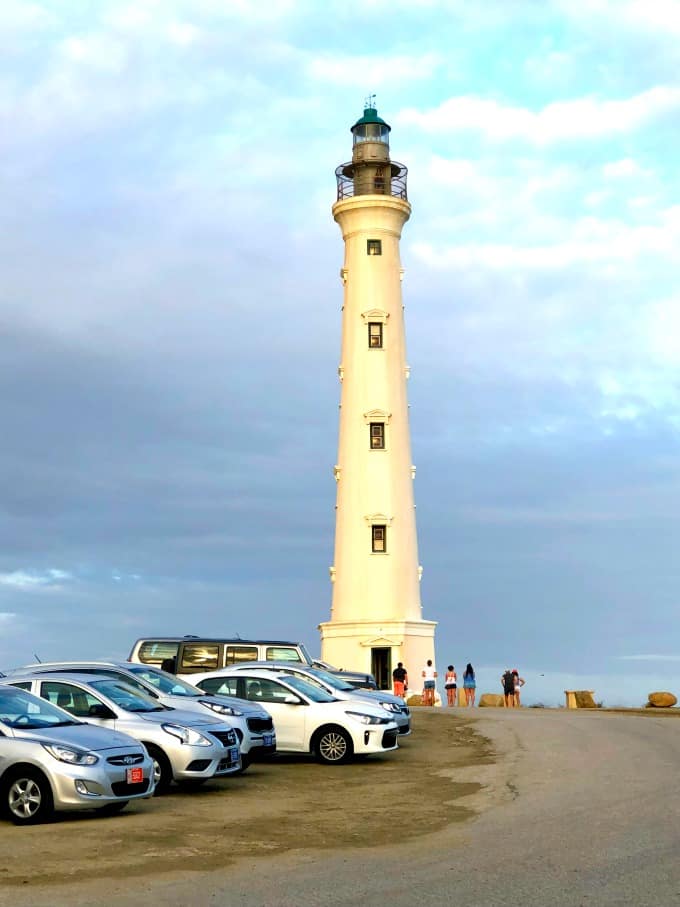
<point>162,770</point>
<point>27,797</point>
<point>112,809</point>
<point>333,745</point>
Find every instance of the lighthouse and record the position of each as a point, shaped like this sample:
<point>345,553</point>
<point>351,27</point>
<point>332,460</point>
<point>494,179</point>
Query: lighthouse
<point>376,615</point>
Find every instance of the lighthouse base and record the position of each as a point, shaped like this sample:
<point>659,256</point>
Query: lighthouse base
<point>377,646</point>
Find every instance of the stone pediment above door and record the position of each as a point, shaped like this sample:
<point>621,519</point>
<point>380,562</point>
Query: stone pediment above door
<point>380,642</point>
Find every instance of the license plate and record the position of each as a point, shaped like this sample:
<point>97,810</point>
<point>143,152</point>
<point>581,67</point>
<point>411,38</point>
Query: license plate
<point>267,739</point>
<point>134,775</point>
<point>233,755</point>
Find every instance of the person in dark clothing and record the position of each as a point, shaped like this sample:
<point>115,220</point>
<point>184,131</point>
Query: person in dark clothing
<point>508,682</point>
<point>400,680</point>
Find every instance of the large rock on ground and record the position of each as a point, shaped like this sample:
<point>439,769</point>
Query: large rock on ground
<point>414,699</point>
<point>662,700</point>
<point>491,701</point>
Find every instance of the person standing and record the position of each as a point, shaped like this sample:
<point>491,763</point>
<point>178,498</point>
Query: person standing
<point>400,680</point>
<point>469,685</point>
<point>429,677</point>
<point>508,683</point>
<point>450,685</point>
<point>519,683</point>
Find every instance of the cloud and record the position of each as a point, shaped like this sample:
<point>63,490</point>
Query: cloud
<point>579,119</point>
<point>34,579</point>
<point>7,616</point>
<point>375,70</point>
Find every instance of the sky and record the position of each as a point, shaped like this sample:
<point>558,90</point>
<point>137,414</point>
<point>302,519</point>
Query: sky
<point>170,323</point>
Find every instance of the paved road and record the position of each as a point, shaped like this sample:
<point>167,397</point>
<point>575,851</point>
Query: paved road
<point>580,810</point>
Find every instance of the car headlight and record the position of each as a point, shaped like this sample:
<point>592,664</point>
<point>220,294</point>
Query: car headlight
<point>390,707</point>
<point>367,719</point>
<point>73,757</point>
<point>222,709</point>
<point>186,734</point>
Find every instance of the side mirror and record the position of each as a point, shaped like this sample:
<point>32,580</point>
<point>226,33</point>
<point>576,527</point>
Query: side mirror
<point>99,710</point>
<point>292,699</point>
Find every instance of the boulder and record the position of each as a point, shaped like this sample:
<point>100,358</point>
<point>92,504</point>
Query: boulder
<point>491,701</point>
<point>662,700</point>
<point>414,699</point>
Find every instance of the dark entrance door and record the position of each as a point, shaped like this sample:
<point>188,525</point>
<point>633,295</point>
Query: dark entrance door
<point>381,667</point>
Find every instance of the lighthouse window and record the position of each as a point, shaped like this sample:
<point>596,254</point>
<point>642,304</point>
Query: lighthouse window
<point>377,435</point>
<point>378,534</point>
<point>375,335</point>
<point>374,246</point>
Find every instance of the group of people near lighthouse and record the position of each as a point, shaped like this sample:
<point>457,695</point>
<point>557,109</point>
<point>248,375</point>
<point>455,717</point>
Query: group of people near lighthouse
<point>429,678</point>
<point>511,682</point>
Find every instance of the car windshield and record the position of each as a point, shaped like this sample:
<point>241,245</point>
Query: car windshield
<point>331,680</point>
<point>125,697</point>
<point>23,711</point>
<point>311,691</point>
<point>166,683</point>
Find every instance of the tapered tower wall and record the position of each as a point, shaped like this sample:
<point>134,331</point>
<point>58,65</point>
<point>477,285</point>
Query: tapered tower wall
<point>376,593</point>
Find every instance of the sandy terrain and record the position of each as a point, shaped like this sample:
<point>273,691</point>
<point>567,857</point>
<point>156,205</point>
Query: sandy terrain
<point>289,804</point>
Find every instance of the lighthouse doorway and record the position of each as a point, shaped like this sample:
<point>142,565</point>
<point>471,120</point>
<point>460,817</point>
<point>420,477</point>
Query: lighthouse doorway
<point>381,667</point>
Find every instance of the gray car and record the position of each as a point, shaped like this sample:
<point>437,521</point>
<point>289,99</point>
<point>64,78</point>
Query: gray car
<point>184,746</point>
<point>331,683</point>
<point>253,725</point>
<point>49,762</point>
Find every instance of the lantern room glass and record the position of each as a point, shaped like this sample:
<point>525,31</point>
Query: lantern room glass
<point>371,132</point>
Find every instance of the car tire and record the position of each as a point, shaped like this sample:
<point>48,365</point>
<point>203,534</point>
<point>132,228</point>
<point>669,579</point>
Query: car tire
<point>27,796</point>
<point>162,770</point>
<point>112,809</point>
<point>332,745</point>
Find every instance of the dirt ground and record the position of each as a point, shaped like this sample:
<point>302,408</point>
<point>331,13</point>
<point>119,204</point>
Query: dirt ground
<point>289,803</point>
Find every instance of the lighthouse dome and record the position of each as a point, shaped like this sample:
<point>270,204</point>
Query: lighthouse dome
<point>371,128</point>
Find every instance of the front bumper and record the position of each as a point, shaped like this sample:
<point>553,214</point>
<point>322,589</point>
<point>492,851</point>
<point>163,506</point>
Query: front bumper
<point>94,786</point>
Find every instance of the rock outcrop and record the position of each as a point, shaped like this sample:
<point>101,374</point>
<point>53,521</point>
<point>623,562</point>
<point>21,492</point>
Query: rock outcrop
<point>491,701</point>
<point>662,700</point>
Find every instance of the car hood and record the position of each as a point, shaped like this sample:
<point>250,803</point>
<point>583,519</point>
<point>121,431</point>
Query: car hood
<point>376,696</point>
<point>84,736</point>
<point>356,705</point>
<point>180,716</point>
<point>250,709</point>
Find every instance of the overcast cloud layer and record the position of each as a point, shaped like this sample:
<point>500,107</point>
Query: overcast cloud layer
<point>170,323</point>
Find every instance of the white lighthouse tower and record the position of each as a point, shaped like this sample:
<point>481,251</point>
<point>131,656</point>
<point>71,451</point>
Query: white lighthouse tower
<point>376,615</point>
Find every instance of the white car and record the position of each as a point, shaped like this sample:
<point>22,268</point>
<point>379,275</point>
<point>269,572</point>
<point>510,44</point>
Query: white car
<point>309,720</point>
<point>184,746</point>
<point>333,684</point>
<point>253,725</point>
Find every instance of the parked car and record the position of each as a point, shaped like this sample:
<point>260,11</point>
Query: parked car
<point>194,654</point>
<point>331,683</point>
<point>253,725</point>
<point>309,720</point>
<point>184,746</point>
<point>49,761</point>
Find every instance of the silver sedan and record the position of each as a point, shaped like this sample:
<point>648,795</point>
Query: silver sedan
<point>50,761</point>
<point>185,746</point>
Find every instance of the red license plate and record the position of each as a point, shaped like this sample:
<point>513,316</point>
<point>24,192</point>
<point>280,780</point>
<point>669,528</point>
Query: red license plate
<point>134,775</point>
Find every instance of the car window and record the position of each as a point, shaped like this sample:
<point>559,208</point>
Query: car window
<point>19,709</point>
<point>125,697</point>
<point>309,690</point>
<point>23,685</point>
<point>226,685</point>
<point>282,653</point>
<point>200,657</point>
<point>154,652</point>
<point>237,654</point>
<point>166,683</point>
<point>258,690</point>
<point>74,699</point>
